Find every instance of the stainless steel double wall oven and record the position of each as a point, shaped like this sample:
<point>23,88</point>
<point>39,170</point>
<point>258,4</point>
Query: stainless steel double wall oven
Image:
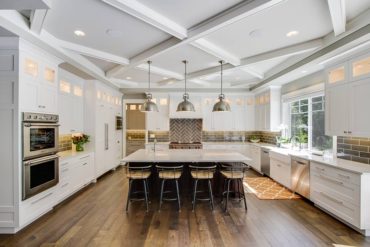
<point>40,144</point>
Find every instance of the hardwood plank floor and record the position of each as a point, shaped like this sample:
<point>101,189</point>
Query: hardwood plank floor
<point>96,217</point>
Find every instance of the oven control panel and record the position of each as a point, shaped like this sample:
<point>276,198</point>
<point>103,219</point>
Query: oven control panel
<point>40,117</point>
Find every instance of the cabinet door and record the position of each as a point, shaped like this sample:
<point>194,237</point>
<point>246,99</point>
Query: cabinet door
<point>359,117</point>
<point>360,67</point>
<point>337,75</point>
<point>336,110</point>
<point>77,114</point>
<point>48,99</point>
<point>65,113</point>
<point>29,97</point>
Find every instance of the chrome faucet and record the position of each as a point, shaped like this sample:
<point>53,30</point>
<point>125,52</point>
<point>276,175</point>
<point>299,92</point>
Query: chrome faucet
<point>296,139</point>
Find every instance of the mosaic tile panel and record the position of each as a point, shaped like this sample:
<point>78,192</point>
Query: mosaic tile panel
<point>65,143</point>
<point>186,130</point>
<point>161,136</point>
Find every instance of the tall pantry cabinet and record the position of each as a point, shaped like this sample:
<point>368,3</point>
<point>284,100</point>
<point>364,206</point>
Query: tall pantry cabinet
<point>102,105</point>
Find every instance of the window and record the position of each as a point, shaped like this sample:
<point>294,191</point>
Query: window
<point>307,122</point>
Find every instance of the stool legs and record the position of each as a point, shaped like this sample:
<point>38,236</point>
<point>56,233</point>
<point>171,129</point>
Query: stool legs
<point>128,194</point>
<point>210,193</point>
<point>161,195</point>
<point>178,194</point>
<point>227,193</point>
<point>146,195</point>
<point>245,201</point>
<point>195,193</point>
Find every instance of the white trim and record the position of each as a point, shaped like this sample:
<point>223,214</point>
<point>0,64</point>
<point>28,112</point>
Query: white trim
<point>337,10</point>
<point>37,20</point>
<point>311,91</point>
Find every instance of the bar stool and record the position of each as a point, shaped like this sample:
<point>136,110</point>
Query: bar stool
<point>138,173</point>
<point>169,173</point>
<point>234,173</point>
<point>202,173</point>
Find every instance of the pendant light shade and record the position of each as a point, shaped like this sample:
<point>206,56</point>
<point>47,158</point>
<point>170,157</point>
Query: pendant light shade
<point>149,105</point>
<point>185,105</point>
<point>221,105</point>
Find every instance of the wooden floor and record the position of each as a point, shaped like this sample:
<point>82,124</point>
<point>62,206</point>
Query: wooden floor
<point>96,217</point>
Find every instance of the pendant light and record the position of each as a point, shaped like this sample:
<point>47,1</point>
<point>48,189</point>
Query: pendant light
<point>221,105</point>
<point>149,105</point>
<point>185,105</point>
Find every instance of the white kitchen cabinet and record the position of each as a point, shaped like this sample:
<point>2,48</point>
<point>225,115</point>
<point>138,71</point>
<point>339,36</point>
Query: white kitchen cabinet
<point>255,155</point>
<point>280,169</point>
<point>159,121</point>
<point>267,110</point>
<point>346,107</point>
<point>343,194</point>
<point>360,67</point>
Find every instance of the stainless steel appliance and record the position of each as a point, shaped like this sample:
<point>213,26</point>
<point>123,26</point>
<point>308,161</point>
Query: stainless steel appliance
<point>39,174</point>
<point>118,122</point>
<point>300,179</point>
<point>40,134</point>
<point>265,161</point>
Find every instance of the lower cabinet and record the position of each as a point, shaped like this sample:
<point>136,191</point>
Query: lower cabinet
<point>343,194</point>
<point>74,173</point>
<point>255,155</point>
<point>280,169</point>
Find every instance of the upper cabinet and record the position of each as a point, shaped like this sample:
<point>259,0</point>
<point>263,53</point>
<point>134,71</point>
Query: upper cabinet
<point>347,102</point>
<point>159,121</point>
<point>38,80</point>
<point>267,110</point>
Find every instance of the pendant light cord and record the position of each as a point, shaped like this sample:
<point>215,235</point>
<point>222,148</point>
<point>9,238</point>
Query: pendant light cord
<point>221,62</point>
<point>149,62</point>
<point>185,62</point>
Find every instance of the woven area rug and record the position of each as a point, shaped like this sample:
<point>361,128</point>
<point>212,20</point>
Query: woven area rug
<point>267,189</point>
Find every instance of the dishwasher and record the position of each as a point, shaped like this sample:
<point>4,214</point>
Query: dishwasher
<point>265,161</point>
<point>300,176</point>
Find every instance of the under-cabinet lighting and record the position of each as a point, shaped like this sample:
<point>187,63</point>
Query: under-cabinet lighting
<point>79,33</point>
<point>292,33</point>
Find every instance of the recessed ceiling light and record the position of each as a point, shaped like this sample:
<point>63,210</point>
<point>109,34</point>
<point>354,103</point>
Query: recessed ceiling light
<point>292,33</point>
<point>165,78</point>
<point>79,33</point>
<point>128,78</point>
<point>304,71</point>
<point>114,33</point>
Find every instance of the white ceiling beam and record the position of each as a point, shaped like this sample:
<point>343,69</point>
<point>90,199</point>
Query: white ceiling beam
<point>243,83</point>
<point>160,71</point>
<point>125,83</point>
<point>337,10</point>
<point>216,51</point>
<point>37,20</point>
<point>253,72</point>
<point>83,50</point>
<point>23,4</point>
<point>230,16</point>
<point>200,82</point>
<point>142,12</point>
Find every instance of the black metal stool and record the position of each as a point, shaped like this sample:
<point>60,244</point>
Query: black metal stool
<point>202,173</point>
<point>138,173</point>
<point>234,173</point>
<point>171,173</point>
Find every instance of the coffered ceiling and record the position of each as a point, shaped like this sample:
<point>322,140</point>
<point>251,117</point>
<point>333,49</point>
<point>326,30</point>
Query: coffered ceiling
<point>256,38</point>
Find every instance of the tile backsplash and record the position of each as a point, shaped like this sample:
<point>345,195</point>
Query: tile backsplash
<point>65,143</point>
<point>135,135</point>
<point>237,136</point>
<point>186,130</point>
<point>354,148</point>
<point>161,136</point>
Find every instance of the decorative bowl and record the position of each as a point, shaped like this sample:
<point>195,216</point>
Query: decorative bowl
<point>255,140</point>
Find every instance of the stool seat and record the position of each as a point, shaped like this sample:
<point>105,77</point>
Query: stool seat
<point>202,174</point>
<point>232,174</point>
<point>138,174</point>
<point>169,174</point>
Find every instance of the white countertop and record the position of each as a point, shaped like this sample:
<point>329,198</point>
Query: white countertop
<point>185,155</point>
<point>72,153</point>
<point>335,162</point>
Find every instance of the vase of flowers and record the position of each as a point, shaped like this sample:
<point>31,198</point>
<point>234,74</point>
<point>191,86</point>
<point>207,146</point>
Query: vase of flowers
<point>79,141</point>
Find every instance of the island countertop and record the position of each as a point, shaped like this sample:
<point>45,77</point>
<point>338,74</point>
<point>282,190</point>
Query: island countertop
<point>185,155</point>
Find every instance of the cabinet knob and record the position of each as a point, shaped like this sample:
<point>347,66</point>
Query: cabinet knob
<point>345,132</point>
<point>349,132</point>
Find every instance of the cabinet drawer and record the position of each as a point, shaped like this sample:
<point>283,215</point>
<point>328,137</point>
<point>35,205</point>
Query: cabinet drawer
<point>281,157</point>
<point>64,189</point>
<point>280,172</point>
<point>342,190</point>
<point>336,173</point>
<point>342,209</point>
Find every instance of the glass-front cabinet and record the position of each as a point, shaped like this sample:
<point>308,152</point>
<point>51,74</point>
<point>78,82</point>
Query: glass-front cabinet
<point>360,67</point>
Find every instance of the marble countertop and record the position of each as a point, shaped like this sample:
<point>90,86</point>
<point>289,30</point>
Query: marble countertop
<point>333,161</point>
<point>72,153</point>
<point>185,155</point>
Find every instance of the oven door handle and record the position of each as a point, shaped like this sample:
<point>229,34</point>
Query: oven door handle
<point>41,124</point>
<point>36,161</point>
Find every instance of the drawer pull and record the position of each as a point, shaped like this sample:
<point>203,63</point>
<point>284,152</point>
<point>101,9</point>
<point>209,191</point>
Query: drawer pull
<point>42,198</point>
<point>278,165</point>
<point>84,164</point>
<point>65,170</point>
<point>64,185</point>
<point>331,180</point>
<point>87,156</point>
<point>63,164</point>
<point>331,199</point>
<point>320,169</point>
<point>343,176</point>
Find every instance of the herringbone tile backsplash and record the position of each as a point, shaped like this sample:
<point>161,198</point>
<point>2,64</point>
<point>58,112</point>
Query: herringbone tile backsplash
<point>186,130</point>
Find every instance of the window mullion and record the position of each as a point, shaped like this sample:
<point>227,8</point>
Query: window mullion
<point>309,130</point>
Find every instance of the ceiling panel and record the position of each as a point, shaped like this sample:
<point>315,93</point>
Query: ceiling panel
<point>140,76</point>
<point>190,12</point>
<point>229,76</point>
<point>104,65</point>
<point>356,7</point>
<point>267,30</point>
<point>94,18</point>
<point>197,59</point>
